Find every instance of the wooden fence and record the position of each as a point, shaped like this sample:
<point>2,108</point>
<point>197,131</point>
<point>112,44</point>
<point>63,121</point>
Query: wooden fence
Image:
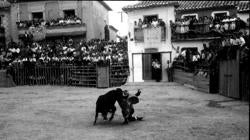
<point>118,75</point>
<point>67,75</point>
<point>200,80</point>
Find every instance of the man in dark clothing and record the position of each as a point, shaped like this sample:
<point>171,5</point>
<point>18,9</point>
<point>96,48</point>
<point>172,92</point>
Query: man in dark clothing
<point>106,32</point>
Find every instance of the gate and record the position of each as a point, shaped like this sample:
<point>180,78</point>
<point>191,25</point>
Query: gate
<point>229,78</point>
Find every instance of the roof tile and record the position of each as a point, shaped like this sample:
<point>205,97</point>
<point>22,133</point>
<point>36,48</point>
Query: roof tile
<point>183,5</point>
<point>244,6</point>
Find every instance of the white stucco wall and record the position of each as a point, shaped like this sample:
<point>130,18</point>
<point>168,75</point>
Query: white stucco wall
<point>243,16</point>
<point>189,44</point>
<point>164,13</point>
<point>112,35</point>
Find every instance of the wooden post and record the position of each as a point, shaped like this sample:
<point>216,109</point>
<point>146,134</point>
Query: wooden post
<point>102,76</point>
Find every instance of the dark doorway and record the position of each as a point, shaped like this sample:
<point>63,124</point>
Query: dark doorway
<point>156,72</point>
<point>151,17</point>
<point>149,71</point>
<point>69,13</point>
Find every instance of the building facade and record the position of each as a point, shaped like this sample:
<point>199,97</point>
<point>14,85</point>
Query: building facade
<point>4,22</point>
<point>201,9</point>
<point>113,33</point>
<point>92,14</point>
<point>147,45</point>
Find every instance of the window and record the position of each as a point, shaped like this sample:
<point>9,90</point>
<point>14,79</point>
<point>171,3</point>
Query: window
<point>151,17</point>
<point>69,13</point>
<point>37,15</point>
<point>189,16</point>
<point>220,14</point>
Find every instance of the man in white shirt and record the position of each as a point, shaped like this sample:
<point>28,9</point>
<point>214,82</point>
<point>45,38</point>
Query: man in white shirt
<point>154,22</point>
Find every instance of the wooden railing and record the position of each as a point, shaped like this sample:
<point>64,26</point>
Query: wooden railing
<point>118,75</point>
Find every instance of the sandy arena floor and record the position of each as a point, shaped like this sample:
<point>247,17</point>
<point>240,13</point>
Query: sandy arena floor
<point>171,111</point>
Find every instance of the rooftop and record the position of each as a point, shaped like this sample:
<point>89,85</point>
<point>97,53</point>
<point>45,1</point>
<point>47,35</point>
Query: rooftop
<point>182,5</point>
<point>113,28</point>
<point>244,6</point>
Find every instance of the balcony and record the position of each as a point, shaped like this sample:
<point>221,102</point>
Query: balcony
<point>194,35</point>
<point>41,30</point>
<point>206,29</point>
<point>66,30</point>
<point>150,34</point>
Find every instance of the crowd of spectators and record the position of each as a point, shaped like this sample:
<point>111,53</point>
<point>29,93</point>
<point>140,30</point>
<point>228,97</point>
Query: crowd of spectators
<point>223,49</point>
<point>205,25</point>
<point>146,23</point>
<point>54,22</point>
<point>64,51</point>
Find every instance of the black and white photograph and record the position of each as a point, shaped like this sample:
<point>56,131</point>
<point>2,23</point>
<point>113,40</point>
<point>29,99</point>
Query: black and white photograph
<point>124,70</point>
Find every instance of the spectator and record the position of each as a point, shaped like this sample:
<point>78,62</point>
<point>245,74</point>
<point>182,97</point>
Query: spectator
<point>242,41</point>
<point>225,23</point>
<point>154,23</point>
<point>191,24</point>
<point>145,23</point>
<point>178,25</point>
<point>161,23</point>
<point>135,25</point>
<point>200,25</point>
<point>140,23</point>
<point>233,24</point>
<point>182,26</point>
<point>206,24</point>
<point>169,70</point>
<point>186,25</point>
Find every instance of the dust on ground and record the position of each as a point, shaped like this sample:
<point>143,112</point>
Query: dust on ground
<point>171,111</point>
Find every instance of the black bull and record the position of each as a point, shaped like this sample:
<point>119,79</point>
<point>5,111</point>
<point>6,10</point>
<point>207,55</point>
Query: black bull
<point>106,103</point>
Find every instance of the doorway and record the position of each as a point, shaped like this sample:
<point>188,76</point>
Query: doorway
<point>142,69</point>
<point>149,71</point>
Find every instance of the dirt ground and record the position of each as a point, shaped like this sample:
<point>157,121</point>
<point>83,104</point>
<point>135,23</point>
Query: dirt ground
<point>171,111</point>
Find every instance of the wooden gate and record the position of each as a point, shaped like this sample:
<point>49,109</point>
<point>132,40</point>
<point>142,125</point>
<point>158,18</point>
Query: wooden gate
<point>229,78</point>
